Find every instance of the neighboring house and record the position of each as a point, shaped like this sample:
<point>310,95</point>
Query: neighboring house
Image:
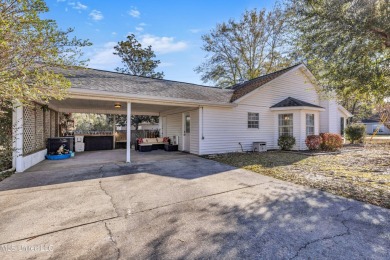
<point>141,126</point>
<point>146,126</point>
<point>206,120</point>
<point>373,124</point>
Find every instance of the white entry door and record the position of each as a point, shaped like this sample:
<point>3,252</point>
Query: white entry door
<point>186,132</point>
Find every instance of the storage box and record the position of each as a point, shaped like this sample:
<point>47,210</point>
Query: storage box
<point>79,138</point>
<point>79,147</point>
<point>175,140</point>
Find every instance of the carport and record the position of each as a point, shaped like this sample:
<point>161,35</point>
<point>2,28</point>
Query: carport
<point>89,159</point>
<point>179,107</point>
<point>117,106</point>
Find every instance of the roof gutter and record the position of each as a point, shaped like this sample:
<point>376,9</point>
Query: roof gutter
<point>297,108</point>
<point>345,111</point>
<point>110,96</point>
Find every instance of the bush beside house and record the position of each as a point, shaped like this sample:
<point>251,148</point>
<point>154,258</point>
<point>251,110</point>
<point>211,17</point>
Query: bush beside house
<point>331,142</point>
<point>355,133</point>
<point>313,142</point>
<point>324,141</point>
<point>286,142</point>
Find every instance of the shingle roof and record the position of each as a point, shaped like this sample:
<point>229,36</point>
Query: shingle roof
<point>93,79</point>
<point>367,121</point>
<point>293,102</point>
<point>241,90</point>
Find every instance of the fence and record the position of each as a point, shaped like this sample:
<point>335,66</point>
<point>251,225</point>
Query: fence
<point>121,134</point>
<point>39,123</point>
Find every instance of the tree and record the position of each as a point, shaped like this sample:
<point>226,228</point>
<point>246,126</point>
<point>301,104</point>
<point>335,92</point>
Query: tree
<point>30,47</point>
<point>245,49</point>
<point>361,105</point>
<point>136,120</point>
<point>138,61</point>
<point>92,122</point>
<point>346,44</point>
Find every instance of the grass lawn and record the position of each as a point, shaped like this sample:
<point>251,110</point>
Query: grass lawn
<point>361,173</point>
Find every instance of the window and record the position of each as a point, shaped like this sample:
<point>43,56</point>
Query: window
<point>188,124</point>
<point>342,125</point>
<point>380,128</point>
<point>285,124</point>
<point>309,124</point>
<point>253,120</point>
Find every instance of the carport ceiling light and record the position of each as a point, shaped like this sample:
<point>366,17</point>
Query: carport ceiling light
<point>117,105</point>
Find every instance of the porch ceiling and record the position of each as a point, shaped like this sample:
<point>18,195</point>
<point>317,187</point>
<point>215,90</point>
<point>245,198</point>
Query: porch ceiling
<point>72,105</point>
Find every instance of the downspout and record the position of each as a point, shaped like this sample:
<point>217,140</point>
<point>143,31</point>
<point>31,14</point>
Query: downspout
<point>201,133</point>
<point>202,125</point>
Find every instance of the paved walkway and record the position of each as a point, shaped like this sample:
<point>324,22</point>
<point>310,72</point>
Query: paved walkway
<point>183,207</point>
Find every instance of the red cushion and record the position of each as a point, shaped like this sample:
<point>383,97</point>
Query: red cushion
<point>165,139</point>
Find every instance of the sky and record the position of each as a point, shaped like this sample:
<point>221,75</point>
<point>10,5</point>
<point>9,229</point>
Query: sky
<point>172,28</point>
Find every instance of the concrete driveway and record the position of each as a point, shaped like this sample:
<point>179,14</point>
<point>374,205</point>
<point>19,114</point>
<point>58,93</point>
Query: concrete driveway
<point>187,207</point>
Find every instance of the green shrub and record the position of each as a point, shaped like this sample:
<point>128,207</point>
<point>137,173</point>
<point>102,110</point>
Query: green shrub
<point>286,142</point>
<point>331,142</point>
<point>313,142</point>
<point>6,143</point>
<point>355,132</point>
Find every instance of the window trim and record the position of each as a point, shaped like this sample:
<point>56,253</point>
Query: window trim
<point>311,126</point>
<point>187,124</point>
<point>280,133</point>
<point>255,121</point>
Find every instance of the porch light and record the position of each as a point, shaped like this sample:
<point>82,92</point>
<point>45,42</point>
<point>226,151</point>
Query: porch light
<point>117,105</point>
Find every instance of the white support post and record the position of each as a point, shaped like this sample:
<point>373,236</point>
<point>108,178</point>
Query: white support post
<point>128,133</point>
<point>113,131</point>
<point>17,124</point>
<point>160,127</point>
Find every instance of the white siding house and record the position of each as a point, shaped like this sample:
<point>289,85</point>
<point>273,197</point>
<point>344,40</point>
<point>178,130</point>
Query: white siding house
<point>205,120</point>
<point>373,126</point>
<point>226,130</point>
<point>334,118</point>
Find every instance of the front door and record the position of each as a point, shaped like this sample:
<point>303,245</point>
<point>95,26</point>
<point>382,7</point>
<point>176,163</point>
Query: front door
<point>186,132</point>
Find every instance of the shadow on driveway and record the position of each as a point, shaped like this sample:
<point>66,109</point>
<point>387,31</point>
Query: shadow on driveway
<point>189,167</point>
<point>266,222</point>
<point>185,208</point>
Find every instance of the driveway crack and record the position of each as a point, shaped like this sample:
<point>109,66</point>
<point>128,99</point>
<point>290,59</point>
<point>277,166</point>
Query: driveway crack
<point>201,197</point>
<point>106,192</point>
<point>113,241</point>
<point>345,233</point>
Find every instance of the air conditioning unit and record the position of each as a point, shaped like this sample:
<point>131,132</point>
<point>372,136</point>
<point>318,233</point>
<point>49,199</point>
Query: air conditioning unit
<point>259,147</point>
